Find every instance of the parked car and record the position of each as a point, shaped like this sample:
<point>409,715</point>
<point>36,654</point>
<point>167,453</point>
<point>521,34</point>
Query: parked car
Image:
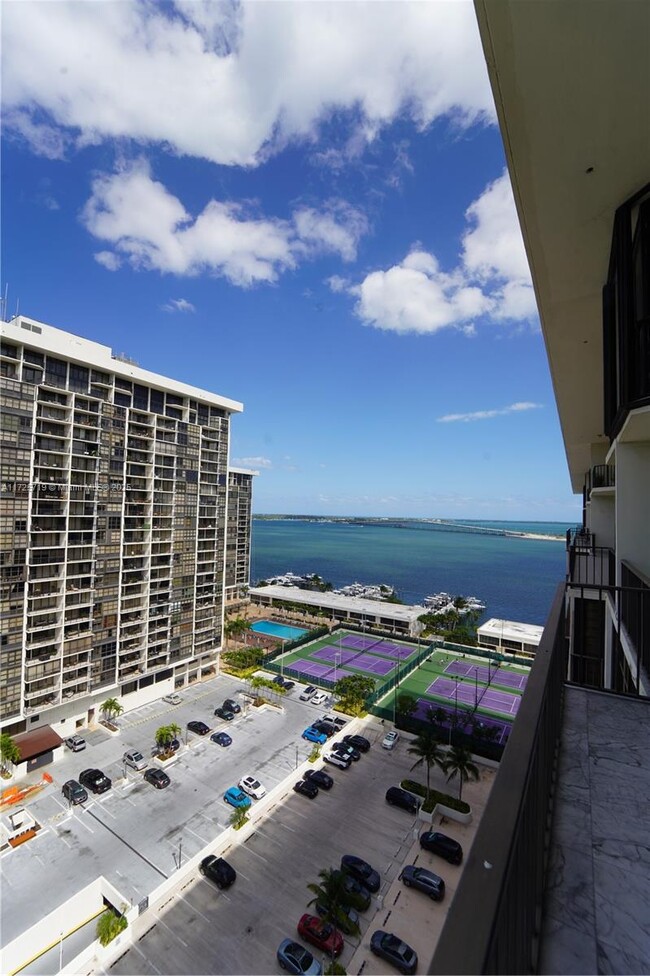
<point>313,735</point>
<point>357,741</point>
<point>157,778</point>
<point>296,959</point>
<point>398,797</point>
<point>172,699</point>
<point>361,870</point>
<point>390,740</point>
<point>252,786</point>
<point>74,792</point>
<point>308,693</point>
<point>288,685</point>
<point>334,759</point>
<point>221,738</point>
<point>334,720</point>
<point>328,728</point>
<point>223,713</point>
<point>395,951</point>
<point>307,787</point>
<point>323,935</point>
<point>428,882</point>
<point>320,778</point>
<point>441,844</point>
<point>134,760</point>
<point>231,705</point>
<point>236,798</point>
<point>357,894</point>
<point>319,698</point>
<point>218,871</point>
<point>278,680</point>
<point>347,919</point>
<point>75,743</point>
<point>343,750</point>
<point>200,728</point>
<point>94,780</point>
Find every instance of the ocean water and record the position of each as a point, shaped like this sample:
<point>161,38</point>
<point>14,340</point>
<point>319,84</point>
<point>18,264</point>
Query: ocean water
<point>516,578</point>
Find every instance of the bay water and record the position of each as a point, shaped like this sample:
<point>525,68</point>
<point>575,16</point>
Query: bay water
<point>515,577</point>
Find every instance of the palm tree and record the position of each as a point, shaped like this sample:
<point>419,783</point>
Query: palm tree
<point>9,751</point>
<point>239,817</point>
<point>165,734</point>
<point>429,751</point>
<point>111,708</point>
<point>332,895</point>
<point>459,763</point>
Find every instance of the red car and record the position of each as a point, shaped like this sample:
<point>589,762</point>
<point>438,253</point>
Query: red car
<point>321,934</point>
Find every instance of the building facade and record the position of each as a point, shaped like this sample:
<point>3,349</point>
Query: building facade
<point>113,528</point>
<point>509,636</point>
<point>238,532</point>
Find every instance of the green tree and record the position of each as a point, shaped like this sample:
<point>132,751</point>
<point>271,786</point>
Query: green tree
<point>406,705</point>
<point>234,628</point>
<point>459,763</point>
<point>330,892</point>
<point>109,926</point>
<point>238,817</point>
<point>353,691</point>
<point>165,735</point>
<point>429,752</point>
<point>9,751</point>
<point>111,708</point>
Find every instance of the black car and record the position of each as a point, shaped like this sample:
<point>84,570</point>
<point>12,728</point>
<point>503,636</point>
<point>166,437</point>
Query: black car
<point>307,787</point>
<point>74,792</point>
<point>357,895</point>
<point>199,727</point>
<point>94,780</point>
<point>347,920</point>
<point>231,706</point>
<point>357,742</point>
<point>442,845</point>
<point>217,870</point>
<point>288,685</point>
<point>278,680</point>
<point>345,750</point>
<point>394,950</point>
<point>157,778</point>
<point>398,797</point>
<point>224,713</point>
<point>361,870</point>
<point>327,728</point>
<point>320,778</point>
<point>428,882</point>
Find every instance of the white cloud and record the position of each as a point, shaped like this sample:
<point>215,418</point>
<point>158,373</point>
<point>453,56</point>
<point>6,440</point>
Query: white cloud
<point>337,283</point>
<point>451,418</point>
<point>178,305</point>
<point>251,462</point>
<point>232,82</point>
<point>150,228</point>
<point>491,278</point>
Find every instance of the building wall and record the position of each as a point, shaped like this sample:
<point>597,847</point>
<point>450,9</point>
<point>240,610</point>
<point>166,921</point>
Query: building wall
<point>633,505</point>
<point>112,531</point>
<point>239,519</point>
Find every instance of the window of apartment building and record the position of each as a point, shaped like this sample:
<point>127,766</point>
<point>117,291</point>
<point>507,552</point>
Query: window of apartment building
<point>98,377</point>
<point>157,401</point>
<point>122,399</point>
<point>55,371</point>
<point>140,397</point>
<point>31,375</point>
<point>7,349</point>
<point>78,378</point>
<point>36,358</point>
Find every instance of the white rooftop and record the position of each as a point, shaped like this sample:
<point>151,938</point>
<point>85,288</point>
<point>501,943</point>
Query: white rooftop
<point>511,630</point>
<point>355,604</point>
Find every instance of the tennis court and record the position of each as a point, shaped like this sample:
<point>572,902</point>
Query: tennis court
<point>383,647</point>
<point>462,719</point>
<point>489,675</point>
<point>355,659</point>
<point>470,694</point>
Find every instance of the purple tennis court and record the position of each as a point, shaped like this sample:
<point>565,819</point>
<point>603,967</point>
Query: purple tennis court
<point>383,647</point>
<point>355,659</point>
<point>462,720</point>
<point>498,677</point>
<point>497,701</point>
<point>315,670</point>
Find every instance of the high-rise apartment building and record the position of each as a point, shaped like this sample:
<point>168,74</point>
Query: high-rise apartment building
<point>114,526</point>
<point>238,532</point>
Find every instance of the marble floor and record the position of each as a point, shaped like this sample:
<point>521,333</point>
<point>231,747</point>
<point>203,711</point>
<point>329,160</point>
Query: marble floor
<point>597,907</point>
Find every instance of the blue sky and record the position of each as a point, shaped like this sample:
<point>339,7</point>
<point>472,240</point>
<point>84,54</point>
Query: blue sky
<point>302,206</point>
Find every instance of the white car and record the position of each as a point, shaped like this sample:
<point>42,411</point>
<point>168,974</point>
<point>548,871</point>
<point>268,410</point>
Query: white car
<point>135,760</point>
<point>308,693</point>
<point>336,759</point>
<point>173,699</point>
<point>390,740</point>
<point>76,743</point>
<point>252,786</point>
<point>319,698</point>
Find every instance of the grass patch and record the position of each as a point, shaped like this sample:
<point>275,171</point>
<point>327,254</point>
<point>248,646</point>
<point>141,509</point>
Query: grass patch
<point>434,797</point>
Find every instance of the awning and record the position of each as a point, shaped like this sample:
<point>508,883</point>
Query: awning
<point>32,744</point>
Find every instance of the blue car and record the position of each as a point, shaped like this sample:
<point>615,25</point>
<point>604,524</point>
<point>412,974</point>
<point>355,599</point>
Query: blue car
<point>313,735</point>
<point>236,797</point>
<point>221,738</point>
<point>296,959</point>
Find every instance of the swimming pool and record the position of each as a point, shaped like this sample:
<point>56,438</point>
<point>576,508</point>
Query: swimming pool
<point>273,629</point>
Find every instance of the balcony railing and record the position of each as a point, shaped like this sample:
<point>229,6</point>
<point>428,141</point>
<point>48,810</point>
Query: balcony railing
<point>502,885</point>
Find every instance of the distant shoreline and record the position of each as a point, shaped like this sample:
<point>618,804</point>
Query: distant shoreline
<point>407,522</point>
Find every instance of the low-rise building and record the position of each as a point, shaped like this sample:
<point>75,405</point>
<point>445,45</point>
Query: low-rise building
<point>509,636</point>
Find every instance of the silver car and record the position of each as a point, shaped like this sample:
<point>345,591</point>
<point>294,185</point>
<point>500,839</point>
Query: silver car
<point>76,743</point>
<point>135,760</point>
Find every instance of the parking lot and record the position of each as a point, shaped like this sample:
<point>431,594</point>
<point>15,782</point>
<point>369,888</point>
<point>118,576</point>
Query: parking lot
<point>204,930</point>
<point>136,835</point>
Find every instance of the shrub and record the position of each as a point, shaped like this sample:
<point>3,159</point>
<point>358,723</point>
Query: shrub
<point>435,796</point>
<point>314,754</point>
<point>109,926</point>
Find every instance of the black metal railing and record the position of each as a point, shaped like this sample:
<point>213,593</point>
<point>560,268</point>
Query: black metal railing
<point>499,896</point>
<point>595,565</point>
<point>634,614</point>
